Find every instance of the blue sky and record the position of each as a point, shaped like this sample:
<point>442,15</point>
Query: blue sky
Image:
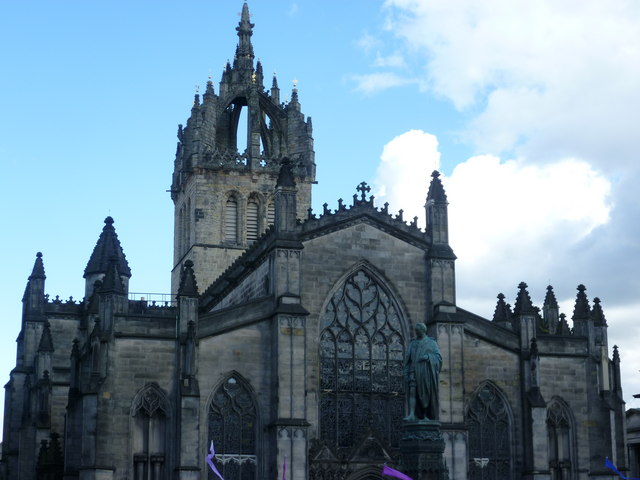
<point>530,110</point>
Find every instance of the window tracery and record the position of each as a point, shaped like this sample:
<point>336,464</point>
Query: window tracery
<point>361,355</point>
<point>233,429</point>
<point>489,424</point>
<point>150,423</point>
<point>560,441</point>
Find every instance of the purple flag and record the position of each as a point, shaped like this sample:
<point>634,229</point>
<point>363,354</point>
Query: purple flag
<point>394,473</point>
<point>209,460</point>
<point>284,467</point>
<point>608,464</point>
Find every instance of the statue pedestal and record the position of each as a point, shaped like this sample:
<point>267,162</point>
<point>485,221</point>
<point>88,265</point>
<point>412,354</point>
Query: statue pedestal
<point>421,450</point>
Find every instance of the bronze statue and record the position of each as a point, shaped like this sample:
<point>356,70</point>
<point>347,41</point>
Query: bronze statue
<point>422,364</point>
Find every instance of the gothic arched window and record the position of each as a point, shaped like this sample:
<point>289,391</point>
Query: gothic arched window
<point>252,220</point>
<point>489,422</point>
<point>560,432</point>
<point>150,414</point>
<point>231,220</point>
<point>233,429</point>
<point>361,354</point>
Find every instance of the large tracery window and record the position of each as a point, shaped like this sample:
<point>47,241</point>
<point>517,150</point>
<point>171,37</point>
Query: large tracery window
<point>560,440</point>
<point>489,424</point>
<point>361,354</point>
<point>233,429</point>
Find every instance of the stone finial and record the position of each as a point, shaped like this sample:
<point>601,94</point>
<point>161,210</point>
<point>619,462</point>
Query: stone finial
<point>581,310</point>
<point>597,315</point>
<point>523,302</point>
<point>550,298</point>
<point>534,348</point>
<point>501,314</point>
<point>188,285</point>
<point>563,326</point>
<point>285,177</point>
<point>46,342</point>
<point>616,355</point>
<point>436,189</point>
<point>38,268</point>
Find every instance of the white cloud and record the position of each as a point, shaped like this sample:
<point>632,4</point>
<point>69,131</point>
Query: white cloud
<point>395,60</point>
<point>506,219</point>
<point>402,176</point>
<point>376,82</point>
<point>368,42</point>
<point>560,77</point>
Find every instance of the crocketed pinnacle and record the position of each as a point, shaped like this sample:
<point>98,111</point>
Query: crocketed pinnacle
<point>285,177</point>
<point>38,268</point>
<point>112,283</point>
<point>550,298</point>
<point>244,51</point>
<point>188,286</point>
<point>436,190</point>
<point>523,302</point>
<point>107,246</point>
<point>581,310</point>
<point>46,342</point>
<point>597,315</point>
<point>501,313</point>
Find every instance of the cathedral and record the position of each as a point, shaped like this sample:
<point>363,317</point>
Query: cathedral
<point>281,345</point>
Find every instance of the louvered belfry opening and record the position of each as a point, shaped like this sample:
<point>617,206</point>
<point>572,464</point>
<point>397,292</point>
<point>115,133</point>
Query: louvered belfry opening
<point>231,220</point>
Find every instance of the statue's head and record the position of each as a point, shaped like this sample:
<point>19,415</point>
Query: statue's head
<point>420,329</point>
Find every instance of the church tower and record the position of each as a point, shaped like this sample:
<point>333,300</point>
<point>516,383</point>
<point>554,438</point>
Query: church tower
<point>227,163</point>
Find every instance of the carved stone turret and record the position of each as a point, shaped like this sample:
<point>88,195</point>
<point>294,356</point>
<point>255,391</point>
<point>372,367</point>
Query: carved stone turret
<point>227,161</point>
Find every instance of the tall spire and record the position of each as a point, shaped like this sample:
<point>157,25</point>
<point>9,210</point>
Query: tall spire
<point>244,51</point>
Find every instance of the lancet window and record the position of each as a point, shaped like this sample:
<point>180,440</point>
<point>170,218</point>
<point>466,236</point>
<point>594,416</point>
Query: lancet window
<point>361,354</point>
<point>489,422</point>
<point>560,441</point>
<point>150,436</point>
<point>233,429</point>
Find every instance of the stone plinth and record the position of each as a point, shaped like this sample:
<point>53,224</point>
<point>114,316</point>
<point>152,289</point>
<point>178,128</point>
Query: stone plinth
<point>421,451</point>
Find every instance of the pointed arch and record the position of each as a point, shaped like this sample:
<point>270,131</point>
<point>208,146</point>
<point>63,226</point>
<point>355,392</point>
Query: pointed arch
<point>561,432</point>
<point>150,434</point>
<point>370,472</point>
<point>489,420</point>
<point>361,350</point>
<point>233,426</point>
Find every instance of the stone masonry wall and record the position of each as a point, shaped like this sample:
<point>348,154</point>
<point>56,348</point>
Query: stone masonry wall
<point>325,262</point>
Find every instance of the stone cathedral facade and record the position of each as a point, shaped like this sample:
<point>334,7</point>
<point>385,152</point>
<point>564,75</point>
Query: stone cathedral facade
<point>285,334</point>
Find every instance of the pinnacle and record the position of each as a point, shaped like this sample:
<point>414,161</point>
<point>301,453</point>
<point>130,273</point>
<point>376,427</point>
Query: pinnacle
<point>38,268</point>
<point>436,189</point>
<point>550,298</point>
<point>188,284</point>
<point>581,310</point>
<point>523,301</point>
<point>106,247</point>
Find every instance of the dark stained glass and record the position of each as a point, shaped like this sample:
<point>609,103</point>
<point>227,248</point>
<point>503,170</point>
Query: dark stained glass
<point>489,436</point>
<point>361,352</point>
<point>232,427</point>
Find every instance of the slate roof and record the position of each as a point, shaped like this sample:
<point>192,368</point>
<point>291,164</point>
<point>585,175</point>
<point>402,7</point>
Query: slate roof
<point>106,247</point>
